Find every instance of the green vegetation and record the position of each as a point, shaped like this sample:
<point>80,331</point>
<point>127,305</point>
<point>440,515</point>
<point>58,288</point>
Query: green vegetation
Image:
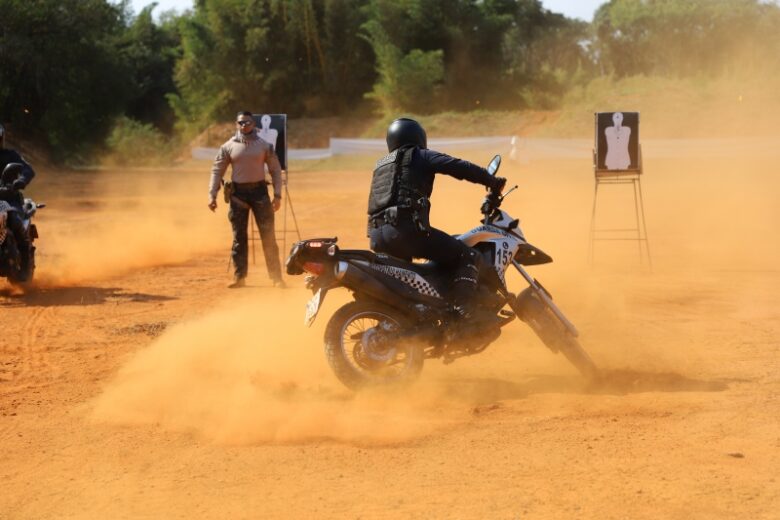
<point>83,77</point>
<point>137,144</point>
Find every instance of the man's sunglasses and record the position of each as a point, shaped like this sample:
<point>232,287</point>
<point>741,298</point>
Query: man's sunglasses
<point>243,123</point>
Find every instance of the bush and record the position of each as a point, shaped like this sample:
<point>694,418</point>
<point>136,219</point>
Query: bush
<point>138,144</point>
<point>406,82</point>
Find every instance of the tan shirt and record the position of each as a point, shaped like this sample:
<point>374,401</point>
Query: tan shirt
<point>248,155</point>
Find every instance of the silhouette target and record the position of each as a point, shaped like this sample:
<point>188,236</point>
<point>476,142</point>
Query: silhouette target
<point>617,141</point>
<point>278,123</point>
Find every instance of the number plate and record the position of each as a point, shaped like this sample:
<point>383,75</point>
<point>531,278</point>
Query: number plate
<point>312,308</point>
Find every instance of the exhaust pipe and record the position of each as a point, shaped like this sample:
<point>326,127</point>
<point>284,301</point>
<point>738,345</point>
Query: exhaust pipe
<point>358,280</point>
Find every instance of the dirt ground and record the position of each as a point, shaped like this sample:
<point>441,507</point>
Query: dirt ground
<point>133,384</point>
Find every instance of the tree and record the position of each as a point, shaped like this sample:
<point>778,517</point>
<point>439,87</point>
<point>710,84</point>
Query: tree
<point>62,81</point>
<point>293,56</point>
<point>150,50</point>
<point>682,38</point>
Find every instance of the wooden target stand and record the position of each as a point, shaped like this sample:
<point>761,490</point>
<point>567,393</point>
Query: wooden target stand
<point>637,233</point>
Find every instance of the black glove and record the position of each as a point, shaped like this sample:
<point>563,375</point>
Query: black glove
<point>18,184</point>
<point>497,186</point>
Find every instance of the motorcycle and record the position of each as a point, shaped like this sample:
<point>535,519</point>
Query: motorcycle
<point>401,315</point>
<point>10,254</point>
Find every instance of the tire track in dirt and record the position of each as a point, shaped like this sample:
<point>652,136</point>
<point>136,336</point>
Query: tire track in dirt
<point>31,360</point>
<point>31,367</point>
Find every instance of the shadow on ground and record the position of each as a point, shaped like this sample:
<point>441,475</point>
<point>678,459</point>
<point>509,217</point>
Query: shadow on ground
<point>63,296</point>
<point>612,382</point>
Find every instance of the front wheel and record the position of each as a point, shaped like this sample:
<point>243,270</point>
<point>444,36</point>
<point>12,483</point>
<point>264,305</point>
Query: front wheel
<point>16,274</point>
<point>553,333</point>
<point>362,346</point>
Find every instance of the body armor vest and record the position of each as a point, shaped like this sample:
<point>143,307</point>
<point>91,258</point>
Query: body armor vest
<point>392,183</point>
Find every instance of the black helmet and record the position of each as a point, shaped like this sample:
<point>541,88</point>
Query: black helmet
<point>404,131</point>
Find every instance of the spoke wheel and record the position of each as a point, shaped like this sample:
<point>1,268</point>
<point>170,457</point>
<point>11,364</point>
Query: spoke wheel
<point>553,333</point>
<point>361,350</point>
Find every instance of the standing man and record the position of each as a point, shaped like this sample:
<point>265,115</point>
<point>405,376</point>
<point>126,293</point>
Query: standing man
<point>247,191</point>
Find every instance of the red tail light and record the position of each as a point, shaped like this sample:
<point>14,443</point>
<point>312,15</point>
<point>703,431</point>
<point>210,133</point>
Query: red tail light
<point>314,268</point>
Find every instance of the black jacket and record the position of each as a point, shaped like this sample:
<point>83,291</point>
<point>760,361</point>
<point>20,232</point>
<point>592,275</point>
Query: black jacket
<point>425,164</point>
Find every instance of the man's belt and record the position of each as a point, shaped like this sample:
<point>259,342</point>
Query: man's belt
<point>248,185</point>
<point>377,220</point>
<point>391,215</point>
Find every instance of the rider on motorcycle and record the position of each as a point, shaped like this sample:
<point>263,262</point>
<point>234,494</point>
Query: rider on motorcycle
<point>10,191</point>
<point>399,207</point>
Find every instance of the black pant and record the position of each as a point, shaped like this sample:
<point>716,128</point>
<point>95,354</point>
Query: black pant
<point>404,240</point>
<point>255,199</point>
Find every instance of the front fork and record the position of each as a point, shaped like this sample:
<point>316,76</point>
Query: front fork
<point>544,296</point>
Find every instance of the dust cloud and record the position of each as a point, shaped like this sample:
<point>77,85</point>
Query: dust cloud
<point>711,225</point>
<point>122,221</point>
<point>251,373</point>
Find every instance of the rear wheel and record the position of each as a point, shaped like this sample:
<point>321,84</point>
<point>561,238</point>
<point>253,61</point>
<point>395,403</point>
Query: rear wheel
<point>553,333</point>
<point>362,351</point>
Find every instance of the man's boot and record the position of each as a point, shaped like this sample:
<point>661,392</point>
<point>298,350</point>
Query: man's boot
<point>468,318</point>
<point>238,282</point>
<point>463,305</point>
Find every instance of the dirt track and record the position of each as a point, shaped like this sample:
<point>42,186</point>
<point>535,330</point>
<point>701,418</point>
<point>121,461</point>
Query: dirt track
<point>134,385</point>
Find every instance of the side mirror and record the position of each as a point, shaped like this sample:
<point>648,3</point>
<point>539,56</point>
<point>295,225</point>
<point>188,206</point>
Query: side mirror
<point>494,164</point>
<point>10,173</point>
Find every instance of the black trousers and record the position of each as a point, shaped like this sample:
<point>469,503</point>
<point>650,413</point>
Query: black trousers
<point>405,241</point>
<point>256,200</point>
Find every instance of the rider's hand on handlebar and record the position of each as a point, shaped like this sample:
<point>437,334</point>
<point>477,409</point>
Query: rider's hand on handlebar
<point>493,199</point>
<point>498,184</point>
<point>18,185</point>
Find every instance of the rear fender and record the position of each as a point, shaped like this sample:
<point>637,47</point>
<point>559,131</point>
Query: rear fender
<point>319,250</point>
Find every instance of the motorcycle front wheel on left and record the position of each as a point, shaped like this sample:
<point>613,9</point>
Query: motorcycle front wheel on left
<point>17,275</point>
<point>363,348</point>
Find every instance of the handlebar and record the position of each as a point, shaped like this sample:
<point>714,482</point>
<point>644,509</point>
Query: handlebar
<point>493,201</point>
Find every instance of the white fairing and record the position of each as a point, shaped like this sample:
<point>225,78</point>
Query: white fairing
<point>505,242</point>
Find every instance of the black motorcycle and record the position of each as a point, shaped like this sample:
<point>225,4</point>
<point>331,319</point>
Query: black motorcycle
<point>13,202</point>
<point>402,313</point>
